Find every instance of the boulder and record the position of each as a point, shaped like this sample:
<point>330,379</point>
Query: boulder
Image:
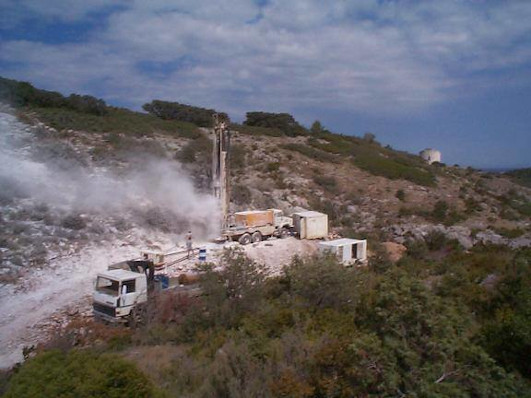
<point>395,251</point>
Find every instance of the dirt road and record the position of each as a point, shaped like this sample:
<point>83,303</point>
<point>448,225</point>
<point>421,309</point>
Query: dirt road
<point>67,281</point>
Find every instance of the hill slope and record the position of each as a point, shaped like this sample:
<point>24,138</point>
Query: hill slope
<point>84,184</point>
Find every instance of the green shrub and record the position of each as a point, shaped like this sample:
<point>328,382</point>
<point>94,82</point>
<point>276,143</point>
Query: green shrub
<point>273,167</point>
<point>24,94</point>
<point>116,120</point>
<point>198,150</point>
<point>74,221</point>
<point>416,249</point>
<point>238,157</point>
<point>376,163</point>
<point>400,195</point>
<point>329,183</point>
<point>185,113</point>
<point>79,374</point>
<point>320,329</point>
<point>241,195</point>
<point>510,233</point>
<point>436,240</point>
<point>521,176</point>
<point>256,131</point>
<point>440,210</point>
<point>281,121</point>
<point>472,205</point>
<point>312,153</point>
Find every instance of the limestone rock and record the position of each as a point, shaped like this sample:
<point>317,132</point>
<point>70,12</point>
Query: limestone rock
<point>395,251</point>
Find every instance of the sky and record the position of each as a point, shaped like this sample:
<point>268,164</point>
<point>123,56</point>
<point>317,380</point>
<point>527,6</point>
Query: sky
<point>454,75</point>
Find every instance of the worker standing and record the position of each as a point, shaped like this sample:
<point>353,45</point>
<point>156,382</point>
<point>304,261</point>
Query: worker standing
<point>188,244</point>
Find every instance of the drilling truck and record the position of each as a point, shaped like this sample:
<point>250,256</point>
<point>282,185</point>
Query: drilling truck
<point>256,225</point>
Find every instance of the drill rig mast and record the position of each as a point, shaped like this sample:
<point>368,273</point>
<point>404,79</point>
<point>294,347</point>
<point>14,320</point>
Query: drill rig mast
<point>220,165</point>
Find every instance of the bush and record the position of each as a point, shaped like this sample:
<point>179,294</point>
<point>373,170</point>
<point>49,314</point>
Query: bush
<point>436,240</point>
<point>74,221</point>
<point>378,164</point>
<point>510,233</point>
<point>256,131</point>
<point>440,210</point>
<point>472,205</point>
<point>273,167</point>
<point>116,120</point>
<point>329,183</point>
<point>320,329</point>
<point>401,195</point>
<point>238,157</point>
<point>521,176</point>
<point>281,121</point>
<point>185,113</point>
<point>233,291</point>
<point>79,374</point>
<point>199,149</point>
<point>312,153</point>
<point>24,94</point>
<point>240,194</point>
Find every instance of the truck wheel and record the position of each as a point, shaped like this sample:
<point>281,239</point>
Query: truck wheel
<point>284,233</point>
<point>245,239</point>
<point>257,237</point>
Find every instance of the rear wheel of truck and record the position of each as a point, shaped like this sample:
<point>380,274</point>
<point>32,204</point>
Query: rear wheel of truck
<point>245,239</point>
<point>257,237</point>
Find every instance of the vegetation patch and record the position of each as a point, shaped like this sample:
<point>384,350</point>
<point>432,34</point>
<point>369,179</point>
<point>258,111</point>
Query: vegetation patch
<point>197,150</point>
<point>329,183</point>
<point>376,163</point>
<point>320,329</point>
<point>521,176</point>
<point>370,156</point>
<point>79,374</point>
<point>116,120</point>
<point>284,122</point>
<point>185,113</point>
<point>256,130</point>
<point>312,153</point>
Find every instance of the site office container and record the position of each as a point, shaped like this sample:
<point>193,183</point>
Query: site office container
<point>347,251</point>
<point>310,225</point>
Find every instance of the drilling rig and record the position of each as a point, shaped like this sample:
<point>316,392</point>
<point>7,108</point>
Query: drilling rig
<point>220,166</point>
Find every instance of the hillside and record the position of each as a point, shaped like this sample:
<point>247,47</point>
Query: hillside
<point>366,189</point>
<point>86,184</point>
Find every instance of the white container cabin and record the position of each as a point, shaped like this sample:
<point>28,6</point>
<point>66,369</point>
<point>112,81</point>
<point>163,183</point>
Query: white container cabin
<point>348,251</point>
<point>310,224</point>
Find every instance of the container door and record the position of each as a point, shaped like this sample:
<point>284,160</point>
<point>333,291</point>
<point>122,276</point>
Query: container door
<point>303,232</point>
<point>354,249</point>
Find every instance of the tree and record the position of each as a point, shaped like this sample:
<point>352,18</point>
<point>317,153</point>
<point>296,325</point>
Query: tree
<point>281,121</point>
<point>185,113</point>
<point>316,127</point>
<point>369,137</point>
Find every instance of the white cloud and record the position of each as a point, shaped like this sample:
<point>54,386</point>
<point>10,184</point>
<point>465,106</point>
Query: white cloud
<point>63,10</point>
<point>368,55</point>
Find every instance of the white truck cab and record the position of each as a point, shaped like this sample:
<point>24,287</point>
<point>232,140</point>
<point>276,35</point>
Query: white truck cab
<point>117,292</point>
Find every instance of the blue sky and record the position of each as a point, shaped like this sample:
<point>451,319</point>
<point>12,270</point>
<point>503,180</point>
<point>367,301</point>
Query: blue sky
<point>450,74</point>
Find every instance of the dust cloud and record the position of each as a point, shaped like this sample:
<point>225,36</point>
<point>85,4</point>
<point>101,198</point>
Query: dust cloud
<point>151,193</point>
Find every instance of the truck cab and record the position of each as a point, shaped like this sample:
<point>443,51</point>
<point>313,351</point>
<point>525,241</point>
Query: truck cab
<point>117,292</point>
<point>280,221</point>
